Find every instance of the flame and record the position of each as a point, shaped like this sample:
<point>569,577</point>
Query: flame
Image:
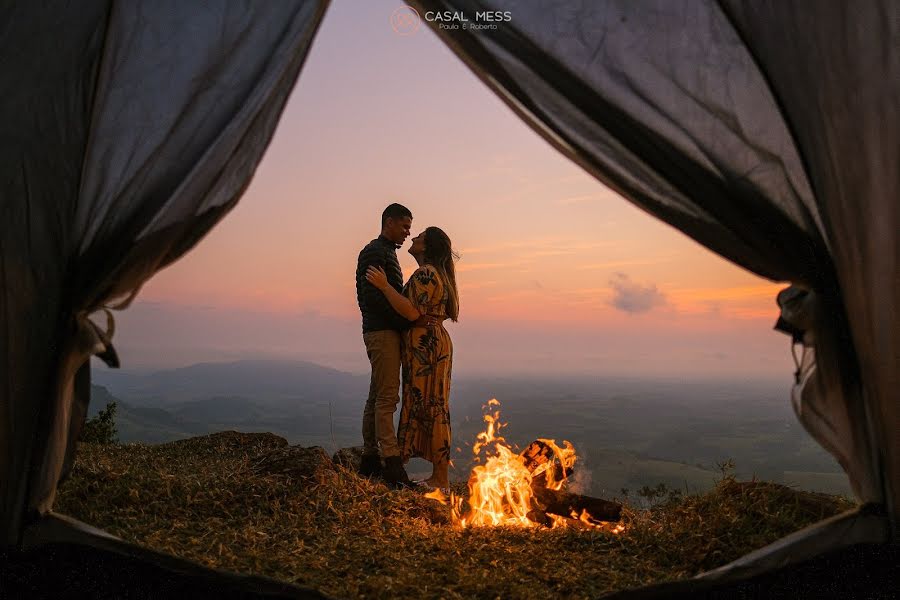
<point>500,490</point>
<point>587,519</point>
<point>437,495</point>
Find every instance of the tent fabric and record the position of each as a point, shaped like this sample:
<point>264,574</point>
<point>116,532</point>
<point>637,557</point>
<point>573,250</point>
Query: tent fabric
<point>61,557</point>
<point>863,525</point>
<point>129,129</point>
<point>840,93</point>
<point>764,130</point>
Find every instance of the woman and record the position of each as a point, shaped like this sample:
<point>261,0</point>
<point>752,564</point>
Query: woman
<point>424,429</point>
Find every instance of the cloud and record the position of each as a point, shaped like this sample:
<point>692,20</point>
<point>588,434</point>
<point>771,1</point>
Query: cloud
<point>632,297</point>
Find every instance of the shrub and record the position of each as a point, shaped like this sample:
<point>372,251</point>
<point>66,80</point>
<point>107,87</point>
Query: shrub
<point>102,428</point>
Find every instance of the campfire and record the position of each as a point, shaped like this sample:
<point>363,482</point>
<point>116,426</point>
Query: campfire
<point>525,489</point>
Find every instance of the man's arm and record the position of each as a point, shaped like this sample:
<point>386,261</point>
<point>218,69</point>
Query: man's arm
<point>378,279</point>
<point>374,298</point>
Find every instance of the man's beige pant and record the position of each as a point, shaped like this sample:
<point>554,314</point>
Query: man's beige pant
<point>383,348</point>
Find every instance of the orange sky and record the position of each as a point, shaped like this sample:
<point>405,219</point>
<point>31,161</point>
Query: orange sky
<point>546,249</point>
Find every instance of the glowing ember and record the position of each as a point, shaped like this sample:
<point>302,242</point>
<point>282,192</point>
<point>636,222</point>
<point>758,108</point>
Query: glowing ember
<point>437,495</point>
<point>500,488</point>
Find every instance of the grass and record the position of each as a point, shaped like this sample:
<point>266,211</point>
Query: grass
<point>207,499</point>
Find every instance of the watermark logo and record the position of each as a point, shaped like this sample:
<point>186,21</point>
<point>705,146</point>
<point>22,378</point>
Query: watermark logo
<point>405,21</point>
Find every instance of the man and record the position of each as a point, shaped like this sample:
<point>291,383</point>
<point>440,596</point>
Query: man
<point>381,333</point>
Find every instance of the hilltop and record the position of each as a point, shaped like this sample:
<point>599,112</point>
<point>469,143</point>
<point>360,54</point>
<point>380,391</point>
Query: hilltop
<point>218,501</point>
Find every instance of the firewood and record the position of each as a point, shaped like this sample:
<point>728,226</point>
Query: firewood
<point>539,453</point>
<point>564,504</point>
<point>557,502</point>
<point>540,517</point>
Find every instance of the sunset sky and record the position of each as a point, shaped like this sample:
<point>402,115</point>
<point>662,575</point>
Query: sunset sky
<point>558,273</point>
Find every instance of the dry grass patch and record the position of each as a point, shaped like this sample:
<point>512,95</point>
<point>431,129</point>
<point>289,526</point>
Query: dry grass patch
<point>207,499</point>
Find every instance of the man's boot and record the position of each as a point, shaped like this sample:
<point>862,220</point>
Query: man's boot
<point>394,474</point>
<point>370,465</point>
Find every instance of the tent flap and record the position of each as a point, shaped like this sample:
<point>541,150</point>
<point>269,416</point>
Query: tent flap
<point>765,131</point>
<point>136,132</point>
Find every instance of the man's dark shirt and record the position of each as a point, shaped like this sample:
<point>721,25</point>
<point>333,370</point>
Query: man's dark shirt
<point>377,312</point>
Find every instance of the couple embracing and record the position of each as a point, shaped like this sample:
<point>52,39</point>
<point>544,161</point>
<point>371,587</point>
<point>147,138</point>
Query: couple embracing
<point>403,330</point>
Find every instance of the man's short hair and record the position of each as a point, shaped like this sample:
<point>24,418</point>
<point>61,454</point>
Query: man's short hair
<point>394,211</point>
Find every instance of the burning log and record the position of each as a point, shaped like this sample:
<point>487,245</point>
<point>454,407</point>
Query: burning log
<point>551,467</point>
<point>567,504</point>
<point>542,459</point>
<point>540,517</point>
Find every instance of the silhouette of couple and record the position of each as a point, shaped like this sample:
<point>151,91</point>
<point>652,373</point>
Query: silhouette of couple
<point>403,330</point>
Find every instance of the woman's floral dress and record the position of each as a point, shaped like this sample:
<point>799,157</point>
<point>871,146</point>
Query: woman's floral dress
<point>424,429</point>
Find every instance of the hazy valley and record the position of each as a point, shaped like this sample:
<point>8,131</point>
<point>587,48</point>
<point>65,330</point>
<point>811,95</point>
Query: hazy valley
<point>628,432</point>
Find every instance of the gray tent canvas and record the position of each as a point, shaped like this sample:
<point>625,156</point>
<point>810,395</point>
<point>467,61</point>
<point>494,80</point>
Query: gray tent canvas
<point>766,131</point>
<point>130,129</point>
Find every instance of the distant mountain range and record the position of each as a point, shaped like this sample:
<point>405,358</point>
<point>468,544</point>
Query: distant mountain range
<point>268,381</point>
<point>301,401</point>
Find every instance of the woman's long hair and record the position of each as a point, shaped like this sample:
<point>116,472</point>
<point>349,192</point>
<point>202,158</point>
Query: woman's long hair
<point>439,254</point>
